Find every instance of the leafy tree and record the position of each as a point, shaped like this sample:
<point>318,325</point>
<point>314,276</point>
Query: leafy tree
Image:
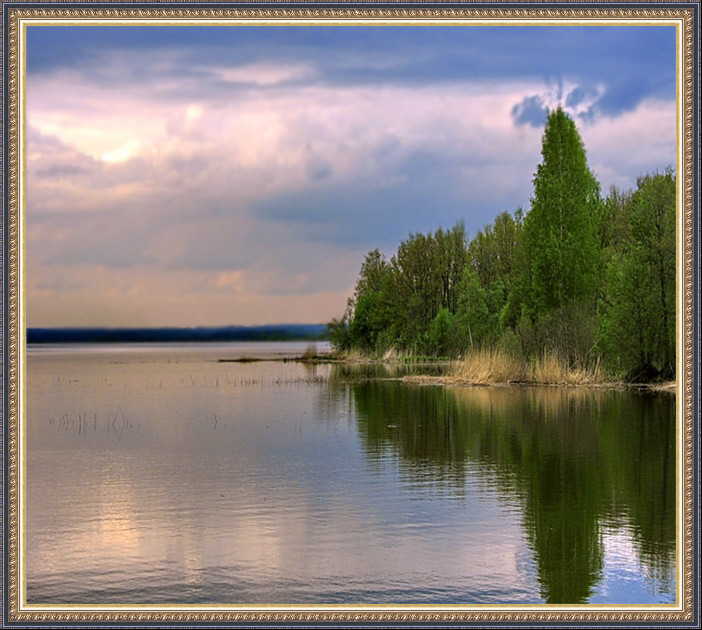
<point>507,233</point>
<point>613,229</point>
<point>366,319</point>
<point>625,320</point>
<point>637,311</point>
<point>373,271</point>
<point>451,259</point>
<point>338,330</point>
<point>494,254</point>
<point>493,251</point>
<point>474,321</point>
<point>367,323</point>
<point>560,230</point>
<point>417,288</point>
<point>440,333</point>
<point>653,247</point>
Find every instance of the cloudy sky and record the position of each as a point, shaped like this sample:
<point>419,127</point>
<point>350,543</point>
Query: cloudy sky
<point>204,175</point>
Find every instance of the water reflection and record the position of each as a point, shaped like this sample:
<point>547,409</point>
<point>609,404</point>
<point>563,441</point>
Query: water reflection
<point>577,461</point>
<point>167,476</point>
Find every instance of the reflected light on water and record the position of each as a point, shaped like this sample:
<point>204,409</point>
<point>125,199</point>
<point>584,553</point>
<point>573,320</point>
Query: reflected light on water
<point>165,475</point>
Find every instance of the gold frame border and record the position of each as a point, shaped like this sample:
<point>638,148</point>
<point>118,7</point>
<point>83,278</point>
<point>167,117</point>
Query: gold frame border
<point>356,614</point>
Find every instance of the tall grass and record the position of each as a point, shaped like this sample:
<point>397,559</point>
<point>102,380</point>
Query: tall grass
<point>390,355</point>
<point>310,352</point>
<point>496,366</point>
<point>352,354</point>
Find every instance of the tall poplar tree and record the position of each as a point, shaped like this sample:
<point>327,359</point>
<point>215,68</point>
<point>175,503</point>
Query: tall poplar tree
<point>561,229</point>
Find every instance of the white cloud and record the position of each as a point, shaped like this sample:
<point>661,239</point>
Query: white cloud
<point>122,153</point>
<point>636,143</point>
<point>264,73</point>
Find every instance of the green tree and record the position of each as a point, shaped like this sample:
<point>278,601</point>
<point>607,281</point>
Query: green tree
<point>440,333</point>
<point>494,255</point>
<point>637,310</point>
<point>364,328</point>
<point>426,274</point>
<point>614,222</point>
<point>507,231</point>
<point>366,319</point>
<point>373,271</point>
<point>338,329</point>
<point>451,261</point>
<point>493,251</point>
<point>474,322</point>
<point>417,288</point>
<point>560,230</point>
<point>653,246</point>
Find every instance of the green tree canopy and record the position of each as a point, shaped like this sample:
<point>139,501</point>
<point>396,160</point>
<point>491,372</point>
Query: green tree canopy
<point>561,229</point>
<point>637,312</point>
<point>584,279</point>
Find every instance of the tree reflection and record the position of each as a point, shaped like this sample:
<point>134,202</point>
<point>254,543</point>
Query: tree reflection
<point>576,461</point>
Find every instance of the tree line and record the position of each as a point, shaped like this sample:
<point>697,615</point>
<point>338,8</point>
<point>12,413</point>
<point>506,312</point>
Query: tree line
<point>588,278</point>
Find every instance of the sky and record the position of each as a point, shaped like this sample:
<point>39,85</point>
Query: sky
<point>237,175</point>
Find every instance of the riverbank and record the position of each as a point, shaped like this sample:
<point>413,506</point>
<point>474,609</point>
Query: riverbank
<point>496,367</point>
<point>490,369</point>
<point>453,381</point>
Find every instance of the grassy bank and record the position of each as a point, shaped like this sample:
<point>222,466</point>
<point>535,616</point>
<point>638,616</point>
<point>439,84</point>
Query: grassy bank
<point>495,366</point>
<point>478,367</point>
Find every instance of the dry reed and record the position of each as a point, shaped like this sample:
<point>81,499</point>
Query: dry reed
<point>494,366</point>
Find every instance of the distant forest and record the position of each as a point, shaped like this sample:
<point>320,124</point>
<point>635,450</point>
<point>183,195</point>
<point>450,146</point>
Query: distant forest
<point>282,332</point>
<point>586,278</point>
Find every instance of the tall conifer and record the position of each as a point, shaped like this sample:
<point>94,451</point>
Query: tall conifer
<point>560,230</point>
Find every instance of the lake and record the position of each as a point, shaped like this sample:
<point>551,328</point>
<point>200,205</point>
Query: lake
<point>160,474</point>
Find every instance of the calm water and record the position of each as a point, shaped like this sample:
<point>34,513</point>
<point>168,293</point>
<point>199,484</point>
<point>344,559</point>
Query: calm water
<point>159,474</point>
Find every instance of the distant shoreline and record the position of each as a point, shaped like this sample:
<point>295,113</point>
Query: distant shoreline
<point>273,332</point>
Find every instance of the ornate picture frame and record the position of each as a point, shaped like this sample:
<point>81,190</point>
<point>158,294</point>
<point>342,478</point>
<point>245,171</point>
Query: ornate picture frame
<point>17,16</point>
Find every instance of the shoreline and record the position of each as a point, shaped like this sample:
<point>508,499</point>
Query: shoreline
<point>447,380</point>
<point>452,381</point>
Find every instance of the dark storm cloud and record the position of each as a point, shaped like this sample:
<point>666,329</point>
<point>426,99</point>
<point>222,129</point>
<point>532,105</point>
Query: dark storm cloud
<point>633,63</point>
